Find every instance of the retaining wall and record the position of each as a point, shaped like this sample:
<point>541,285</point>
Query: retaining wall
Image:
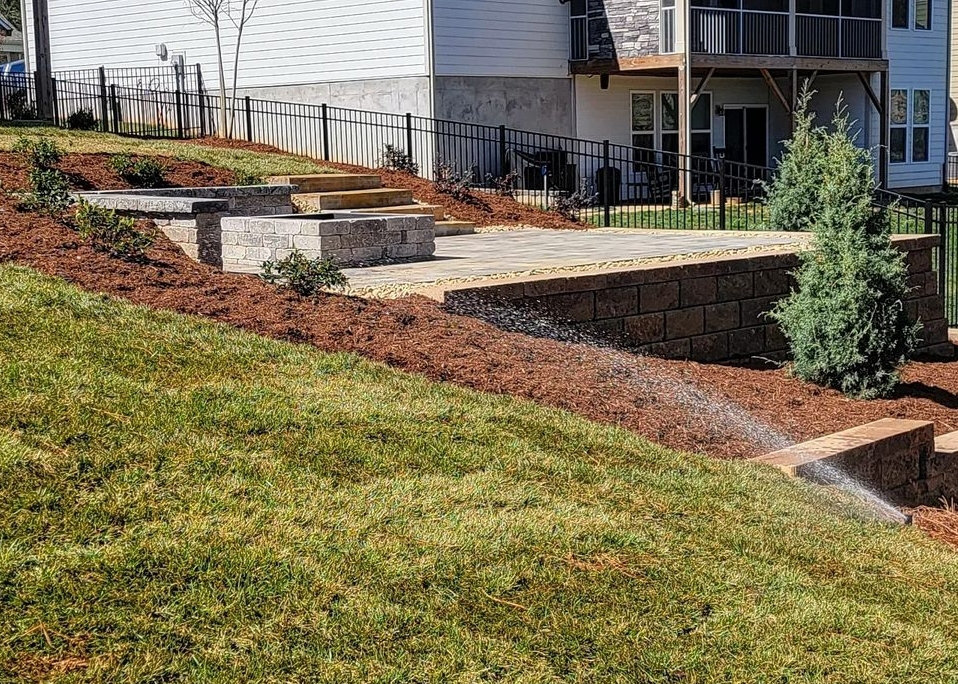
<point>190,217</point>
<point>707,309</point>
<point>350,239</point>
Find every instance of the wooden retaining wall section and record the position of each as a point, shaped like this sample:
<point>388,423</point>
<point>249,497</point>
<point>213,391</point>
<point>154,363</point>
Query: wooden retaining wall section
<point>710,309</point>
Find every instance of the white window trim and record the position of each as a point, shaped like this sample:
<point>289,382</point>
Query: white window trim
<point>657,117</point>
<point>909,128</point>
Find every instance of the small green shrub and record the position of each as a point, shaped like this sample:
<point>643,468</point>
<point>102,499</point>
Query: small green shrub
<point>49,192</point>
<point>792,197</point>
<point>305,277</point>
<point>82,120</point>
<point>846,323</point>
<point>109,232</point>
<point>143,172</point>
<point>247,178</point>
<point>40,152</point>
<point>18,104</point>
<point>398,160</point>
<point>504,186</point>
<point>451,182</point>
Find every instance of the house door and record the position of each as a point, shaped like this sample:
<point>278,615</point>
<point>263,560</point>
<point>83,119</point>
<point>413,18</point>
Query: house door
<point>746,134</point>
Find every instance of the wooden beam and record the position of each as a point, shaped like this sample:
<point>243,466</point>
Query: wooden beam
<point>883,119</point>
<point>781,62</point>
<point>871,93</point>
<point>811,79</point>
<point>701,86</point>
<point>684,107</point>
<point>773,86</point>
<point>624,64</point>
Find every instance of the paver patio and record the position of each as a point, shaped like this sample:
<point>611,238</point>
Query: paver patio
<point>483,255</point>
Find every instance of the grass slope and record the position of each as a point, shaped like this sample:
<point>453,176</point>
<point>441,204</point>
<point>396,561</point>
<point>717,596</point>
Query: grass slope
<point>180,500</point>
<point>259,164</point>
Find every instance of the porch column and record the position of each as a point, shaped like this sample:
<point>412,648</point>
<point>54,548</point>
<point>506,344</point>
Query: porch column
<point>684,104</point>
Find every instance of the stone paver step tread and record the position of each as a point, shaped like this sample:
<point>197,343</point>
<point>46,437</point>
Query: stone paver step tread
<point>329,182</point>
<point>453,228</point>
<point>438,211</point>
<point>947,444</point>
<point>354,199</point>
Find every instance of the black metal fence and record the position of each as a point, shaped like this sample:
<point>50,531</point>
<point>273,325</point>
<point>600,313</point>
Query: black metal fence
<point>602,183</point>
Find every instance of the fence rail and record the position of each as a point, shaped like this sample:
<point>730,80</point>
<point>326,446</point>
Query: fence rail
<point>602,183</point>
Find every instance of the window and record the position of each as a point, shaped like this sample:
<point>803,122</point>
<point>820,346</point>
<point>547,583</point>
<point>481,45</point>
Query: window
<point>700,143</point>
<point>910,120</point>
<point>898,137</point>
<point>899,14</point>
<point>643,127</point>
<point>919,129</point>
<point>923,14</point>
<point>862,9</point>
<point>821,7</point>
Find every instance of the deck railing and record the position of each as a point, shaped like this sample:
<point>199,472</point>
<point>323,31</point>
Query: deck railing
<point>850,37</point>
<point>579,39</point>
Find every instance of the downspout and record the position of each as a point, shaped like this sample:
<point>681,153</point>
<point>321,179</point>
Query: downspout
<point>24,33</point>
<point>430,56</point>
<point>948,130</point>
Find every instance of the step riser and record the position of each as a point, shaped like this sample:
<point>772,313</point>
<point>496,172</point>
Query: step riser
<point>454,228</point>
<point>366,200</point>
<point>329,182</point>
<point>438,212</point>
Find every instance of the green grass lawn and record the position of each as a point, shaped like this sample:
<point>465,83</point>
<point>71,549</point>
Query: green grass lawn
<point>257,164</point>
<point>749,216</point>
<point>183,501</point>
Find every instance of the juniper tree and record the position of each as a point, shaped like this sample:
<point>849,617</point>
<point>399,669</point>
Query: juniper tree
<point>792,197</point>
<point>846,323</point>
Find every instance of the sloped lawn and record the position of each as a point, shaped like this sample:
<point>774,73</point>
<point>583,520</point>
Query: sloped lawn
<point>180,500</point>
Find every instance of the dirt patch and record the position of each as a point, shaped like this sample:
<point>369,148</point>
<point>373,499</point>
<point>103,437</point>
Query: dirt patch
<point>487,209</point>
<point>93,172</point>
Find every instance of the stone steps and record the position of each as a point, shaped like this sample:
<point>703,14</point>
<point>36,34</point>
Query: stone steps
<point>453,228</point>
<point>436,210</point>
<point>353,199</point>
<point>329,182</point>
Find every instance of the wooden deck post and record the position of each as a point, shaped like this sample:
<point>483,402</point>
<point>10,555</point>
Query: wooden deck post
<point>684,100</point>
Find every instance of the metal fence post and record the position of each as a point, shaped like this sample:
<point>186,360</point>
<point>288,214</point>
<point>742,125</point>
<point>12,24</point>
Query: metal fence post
<point>325,110</point>
<point>115,109</point>
<point>55,103</point>
<point>178,99</point>
<point>249,118</point>
<point>943,248</point>
<point>104,116</point>
<point>202,107</point>
<point>409,137</point>
<point>721,193</point>
<point>929,225</point>
<point>503,160</point>
<point>606,185</point>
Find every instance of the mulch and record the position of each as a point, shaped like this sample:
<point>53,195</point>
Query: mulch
<point>93,172</point>
<point>483,209</point>
<point>413,334</point>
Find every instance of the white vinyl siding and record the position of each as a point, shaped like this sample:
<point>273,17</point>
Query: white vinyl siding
<point>501,38</point>
<point>286,42</point>
<point>918,60</point>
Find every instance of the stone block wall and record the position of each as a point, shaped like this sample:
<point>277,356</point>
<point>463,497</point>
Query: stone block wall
<point>623,28</point>
<point>190,217</point>
<point>708,309</point>
<point>350,239</point>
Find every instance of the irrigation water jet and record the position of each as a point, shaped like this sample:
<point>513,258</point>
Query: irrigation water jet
<point>623,365</point>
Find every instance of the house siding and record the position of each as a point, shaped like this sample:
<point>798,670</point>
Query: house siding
<point>919,59</point>
<point>287,42</point>
<point>501,38</point>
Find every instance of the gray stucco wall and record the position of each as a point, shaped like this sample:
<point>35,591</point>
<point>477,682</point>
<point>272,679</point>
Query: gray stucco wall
<point>538,104</point>
<point>395,95</point>
<point>623,28</point>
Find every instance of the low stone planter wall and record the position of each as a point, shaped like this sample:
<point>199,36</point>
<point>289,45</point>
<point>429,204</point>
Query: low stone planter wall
<point>190,217</point>
<point>706,309</point>
<point>350,239</point>
<point>899,459</point>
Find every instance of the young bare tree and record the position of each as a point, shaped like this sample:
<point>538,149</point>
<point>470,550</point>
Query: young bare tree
<point>213,12</point>
<point>239,14</point>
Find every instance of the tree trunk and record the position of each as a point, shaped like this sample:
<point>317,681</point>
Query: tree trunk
<point>222,78</point>
<point>236,58</point>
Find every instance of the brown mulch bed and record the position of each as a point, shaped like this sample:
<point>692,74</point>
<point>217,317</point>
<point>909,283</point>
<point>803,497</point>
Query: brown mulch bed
<point>486,209</point>
<point>647,396</point>
<point>93,172</point>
